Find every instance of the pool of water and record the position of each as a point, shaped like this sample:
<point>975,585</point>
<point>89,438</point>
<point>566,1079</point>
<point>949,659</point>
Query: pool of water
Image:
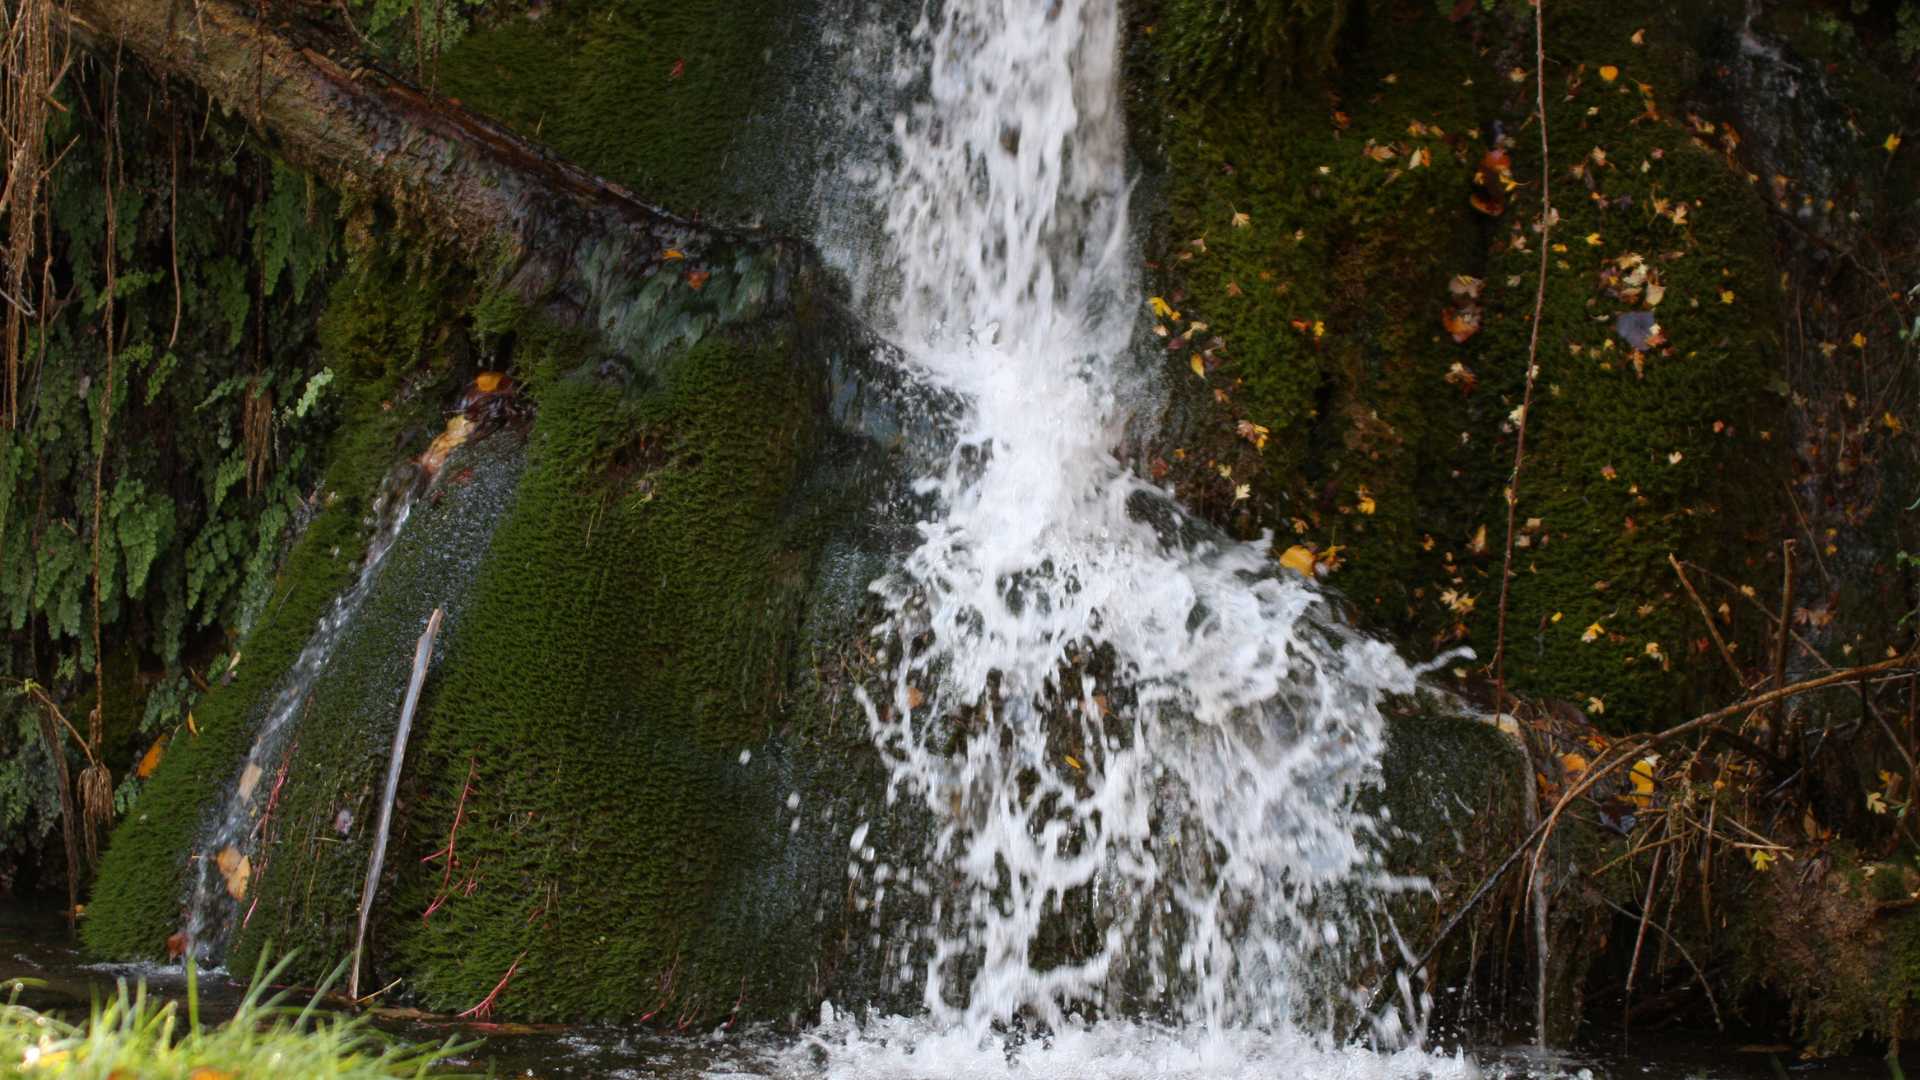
<point>34,944</point>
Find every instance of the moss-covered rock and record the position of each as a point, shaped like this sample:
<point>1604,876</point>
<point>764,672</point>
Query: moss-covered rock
<point>1316,232</point>
<point>666,97</point>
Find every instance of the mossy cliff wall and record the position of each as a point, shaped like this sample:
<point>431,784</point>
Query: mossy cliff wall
<point>1314,231</point>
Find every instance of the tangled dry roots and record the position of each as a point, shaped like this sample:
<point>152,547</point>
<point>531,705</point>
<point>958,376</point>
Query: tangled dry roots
<point>96,807</point>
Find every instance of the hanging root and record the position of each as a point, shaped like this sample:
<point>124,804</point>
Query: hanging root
<point>96,807</point>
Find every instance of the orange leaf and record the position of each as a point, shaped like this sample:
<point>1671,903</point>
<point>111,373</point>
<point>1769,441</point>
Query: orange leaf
<point>1461,323</point>
<point>151,759</point>
<point>698,279</point>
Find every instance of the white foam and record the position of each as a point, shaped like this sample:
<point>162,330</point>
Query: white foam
<point>897,1047</point>
<point>1198,795</point>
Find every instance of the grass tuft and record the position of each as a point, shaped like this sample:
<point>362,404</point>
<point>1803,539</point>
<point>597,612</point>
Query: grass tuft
<point>133,1034</point>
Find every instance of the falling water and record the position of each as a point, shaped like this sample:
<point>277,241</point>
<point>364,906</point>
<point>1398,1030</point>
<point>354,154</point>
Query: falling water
<point>1141,744</point>
<point>228,843</point>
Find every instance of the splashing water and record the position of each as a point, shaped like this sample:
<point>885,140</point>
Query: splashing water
<point>231,837</point>
<point>1140,745</point>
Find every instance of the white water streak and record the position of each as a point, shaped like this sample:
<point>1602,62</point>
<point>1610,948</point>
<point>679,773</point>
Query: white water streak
<point>211,912</point>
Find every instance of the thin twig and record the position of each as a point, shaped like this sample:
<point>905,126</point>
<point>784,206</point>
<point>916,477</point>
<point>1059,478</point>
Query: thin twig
<point>1814,541</point>
<point>1705,987</point>
<point>1780,639</point>
<point>1640,937</point>
<point>1536,883</point>
<point>1707,617</point>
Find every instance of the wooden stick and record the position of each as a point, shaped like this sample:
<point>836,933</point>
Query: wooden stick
<point>1640,938</point>
<point>422,656</point>
<point>1780,640</point>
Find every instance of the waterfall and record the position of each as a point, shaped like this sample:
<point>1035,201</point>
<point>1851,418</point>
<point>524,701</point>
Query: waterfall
<point>1141,743</point>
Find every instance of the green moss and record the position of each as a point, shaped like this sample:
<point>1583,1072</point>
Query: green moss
<point>629,637</point>
<point>652,94</point>
<point>136,898</point>
<point>308,871</point>
<point>1835,939</point>
<point>1323,307</point>
<point>374,329</point>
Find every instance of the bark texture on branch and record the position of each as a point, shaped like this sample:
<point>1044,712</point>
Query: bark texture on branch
<point>546,224</point>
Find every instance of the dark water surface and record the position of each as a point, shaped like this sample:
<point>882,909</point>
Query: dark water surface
<point>34,945</point>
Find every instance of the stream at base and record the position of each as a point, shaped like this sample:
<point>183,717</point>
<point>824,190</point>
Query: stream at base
<point>32,945</point>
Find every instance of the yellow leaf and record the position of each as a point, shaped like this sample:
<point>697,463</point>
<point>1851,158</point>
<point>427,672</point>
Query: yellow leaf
<point>1073,763</point>
<point>1319,329</point>
<point>1593,239</point>
<point>1642,777</point>
<point>1596,706</point>
<point>1593,632</point>
<point>192,728</point>
<point>1609,73</point>
<point>1574,764</point>
<point>1240,220</point>
<point>1161,309</point>
<point>1298,559</point>
<point>1198,365</point>
<point>1876,803</point>
<point>1890,422</point>
<point>1859,340</point>
<point>1726,296</point>
<point>487,381</point>
<point>1762,860</point>
<point>1557,616</point>
<point>1366,504</point>
<point>1892,143</point>
<point>1478,544</point>
<point>672,254</point>
<point>1243,492</point>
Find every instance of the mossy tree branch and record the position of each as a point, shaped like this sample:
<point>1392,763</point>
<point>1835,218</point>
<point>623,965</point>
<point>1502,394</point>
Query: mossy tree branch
<point>498,198</point>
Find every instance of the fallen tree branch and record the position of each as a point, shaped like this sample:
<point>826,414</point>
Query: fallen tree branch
<point>555,231</point>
